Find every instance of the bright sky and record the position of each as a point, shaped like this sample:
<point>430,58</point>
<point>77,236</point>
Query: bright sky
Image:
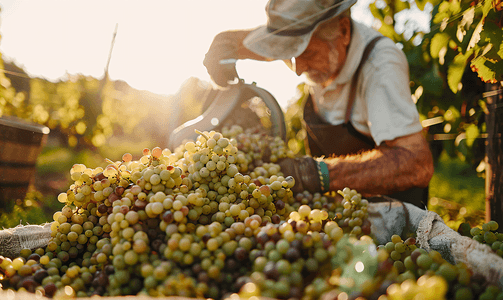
<point>159,44</point>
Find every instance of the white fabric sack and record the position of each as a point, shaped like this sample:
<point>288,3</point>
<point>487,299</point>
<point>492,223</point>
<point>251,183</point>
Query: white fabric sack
<point>13,240</point>
<point>395,217</point>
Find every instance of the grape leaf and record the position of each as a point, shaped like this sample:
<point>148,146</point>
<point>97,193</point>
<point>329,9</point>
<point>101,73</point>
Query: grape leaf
<point>414,57</point>
<point>401,5</point>
<point>421,4</point>
<point>488,4</point>
<point>376,12</point>
<point>472,132</point>
<point>456,69</point>
<point>439,41</point>
<point>432,82</point>
<point>388,31</point>
<point>440,17</point>
<point>493,35</point>
<point>473,36</point>
<point>483,67</point>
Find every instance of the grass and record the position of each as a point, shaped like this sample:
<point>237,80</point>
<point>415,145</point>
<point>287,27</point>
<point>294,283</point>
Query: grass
<point>457,193</point>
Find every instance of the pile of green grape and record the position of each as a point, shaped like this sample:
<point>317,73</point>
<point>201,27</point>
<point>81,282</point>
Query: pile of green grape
<point>216,218</point>
<point>201,221</point>
<point>427,274</point>
<point>489,235</point>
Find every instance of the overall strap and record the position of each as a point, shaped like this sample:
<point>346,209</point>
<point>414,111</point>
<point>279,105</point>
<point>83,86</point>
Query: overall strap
<point>354,80</point>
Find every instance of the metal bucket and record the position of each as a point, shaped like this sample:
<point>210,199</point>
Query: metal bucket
<point>20,145</point>
<point>241,104</point>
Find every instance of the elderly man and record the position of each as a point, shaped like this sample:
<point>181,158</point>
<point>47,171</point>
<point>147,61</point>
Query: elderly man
<point>360,119</point>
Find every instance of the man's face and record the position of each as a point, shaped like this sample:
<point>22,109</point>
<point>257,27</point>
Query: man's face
<point>322,60</point>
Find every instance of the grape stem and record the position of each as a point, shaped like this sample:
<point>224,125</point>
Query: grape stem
<point>111,162</point>
<point>202,133</point>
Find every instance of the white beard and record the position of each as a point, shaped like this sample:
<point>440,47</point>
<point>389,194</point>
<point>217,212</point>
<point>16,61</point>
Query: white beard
<point>319,77</point>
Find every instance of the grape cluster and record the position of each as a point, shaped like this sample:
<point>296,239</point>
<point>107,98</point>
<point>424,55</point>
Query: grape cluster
<point>399,251</point>
<point>489,235</point>
<point>353,215</point>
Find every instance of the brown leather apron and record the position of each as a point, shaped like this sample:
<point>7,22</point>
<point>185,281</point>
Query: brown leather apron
<point>325,139</point>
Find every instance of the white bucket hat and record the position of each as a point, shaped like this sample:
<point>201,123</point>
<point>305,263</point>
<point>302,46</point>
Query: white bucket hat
<point>290,25</point>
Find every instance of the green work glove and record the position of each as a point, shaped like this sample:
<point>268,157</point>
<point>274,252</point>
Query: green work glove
<point>309,174</point>
<point>220,60</point>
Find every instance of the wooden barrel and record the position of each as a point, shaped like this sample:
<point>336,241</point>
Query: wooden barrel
<point>20,145</point>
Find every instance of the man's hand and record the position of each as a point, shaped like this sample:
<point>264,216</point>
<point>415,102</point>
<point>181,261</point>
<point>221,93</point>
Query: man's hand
<point>305,172</point>
<point>228,46</point>
<point>218,59</point>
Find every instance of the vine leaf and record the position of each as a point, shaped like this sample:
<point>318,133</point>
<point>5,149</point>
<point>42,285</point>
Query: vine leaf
<point>439,41</point>
<point>493,35</point>
<point>476,35</point>
<point>465,23</point>
<point>432,82</point>
<point>472,132</point>
<point>401,5</point>
<point>421,4</point>
<point>486,69</point>
<point>456,70</point>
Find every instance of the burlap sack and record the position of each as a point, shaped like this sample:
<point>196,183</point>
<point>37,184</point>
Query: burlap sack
<point>13,240</point>
<point>394,217</point>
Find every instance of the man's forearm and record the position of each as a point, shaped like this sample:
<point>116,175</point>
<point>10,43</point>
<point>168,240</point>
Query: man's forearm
<point>384,170</point>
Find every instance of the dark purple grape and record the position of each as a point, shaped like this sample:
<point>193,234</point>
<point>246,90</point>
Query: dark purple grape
<point>203,277</point>
<point>39,275</point>
<point>29,284</point>
<point>276,237</point>
<point>156,244</point>
<point>102,208</point>
<point>231,264</point>
<point>241,253</point>
<point>15,280</point>
<point>168,216</point>
<point>280,205</point>
<point>119,191</point>
<point>262,237</point>
<point>113,197</point>
<point>206,237</point>
<point>109,269</point>
<point>34,256</point>
<point>292,254</point>
<point>271,271</point>
<point>275,219</point>
<point>50,289</point>
<point>99,177</point>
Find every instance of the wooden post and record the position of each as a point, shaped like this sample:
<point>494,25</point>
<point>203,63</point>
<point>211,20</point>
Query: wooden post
<point>494,154</point>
